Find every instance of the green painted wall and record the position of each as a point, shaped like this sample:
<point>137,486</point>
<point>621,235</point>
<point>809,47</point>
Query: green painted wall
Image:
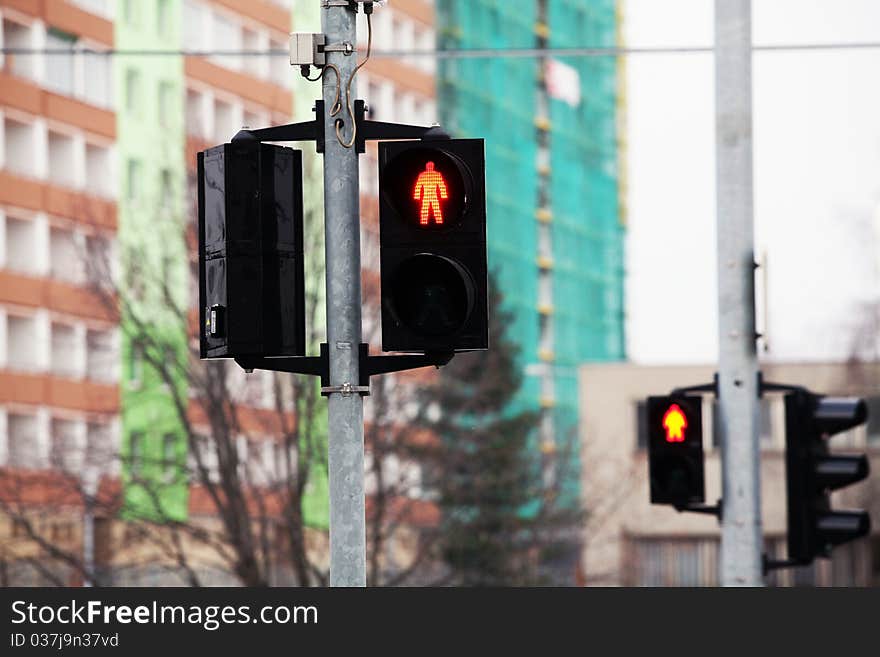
<point>306,17</point>
<point>151,171</point>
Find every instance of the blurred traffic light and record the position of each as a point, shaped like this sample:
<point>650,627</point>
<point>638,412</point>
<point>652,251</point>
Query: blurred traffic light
<point>675,450</point>
<point>432,222</point>
<point>812,473</point>
<point>251,283</point>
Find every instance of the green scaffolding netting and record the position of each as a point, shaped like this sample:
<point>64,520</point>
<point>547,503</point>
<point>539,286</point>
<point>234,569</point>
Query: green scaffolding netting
<point>495,98</point>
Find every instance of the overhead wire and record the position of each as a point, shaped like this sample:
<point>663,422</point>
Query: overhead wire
<point>454,53</point>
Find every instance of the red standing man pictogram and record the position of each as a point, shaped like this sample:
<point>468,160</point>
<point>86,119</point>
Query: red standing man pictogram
<point>429,184</point>
<point>675,422</point>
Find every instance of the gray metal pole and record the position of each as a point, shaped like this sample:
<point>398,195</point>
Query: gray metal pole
<point>740,563</point>
<point>343,253</point>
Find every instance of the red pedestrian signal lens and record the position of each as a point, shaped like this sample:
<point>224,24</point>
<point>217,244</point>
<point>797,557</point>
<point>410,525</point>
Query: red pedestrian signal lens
<point>429,191</point>
<point>675,424</point>
<point>427,188</point>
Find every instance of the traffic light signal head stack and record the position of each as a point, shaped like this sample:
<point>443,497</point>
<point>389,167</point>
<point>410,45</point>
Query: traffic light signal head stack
<point>812,473</point>
<point>675,450</point>
<point>432,223</point>
<point>251,284</point>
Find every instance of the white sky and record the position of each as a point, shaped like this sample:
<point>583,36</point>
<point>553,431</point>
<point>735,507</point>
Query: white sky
<point>817,177</point>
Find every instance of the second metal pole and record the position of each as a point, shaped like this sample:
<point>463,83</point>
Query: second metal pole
<point>343,262</point>
<point>741,545</point>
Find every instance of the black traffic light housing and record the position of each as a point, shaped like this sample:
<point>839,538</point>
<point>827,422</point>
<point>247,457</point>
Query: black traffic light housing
<point>675,450</point>
<point>251,279</point>
<point>812,472</point>
<point>432,225</point>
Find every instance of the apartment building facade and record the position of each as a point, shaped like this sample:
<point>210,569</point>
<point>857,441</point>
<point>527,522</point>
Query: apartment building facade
<point>628,541</point>
<point>59,338</point>
<point>97,160</point>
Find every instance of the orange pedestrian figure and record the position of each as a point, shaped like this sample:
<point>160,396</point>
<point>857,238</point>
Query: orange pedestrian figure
<point>675,422</point>
<point>428,185</point>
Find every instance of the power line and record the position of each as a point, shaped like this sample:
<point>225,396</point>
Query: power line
<point>461,53</point>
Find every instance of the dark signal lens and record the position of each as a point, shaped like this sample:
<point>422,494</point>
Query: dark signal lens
<point>432,295</point>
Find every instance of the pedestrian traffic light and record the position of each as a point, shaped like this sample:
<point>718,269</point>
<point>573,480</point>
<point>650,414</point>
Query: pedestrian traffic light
<point>812,473</point>
<point>675,450</point>
<point>432,232</point>
<point>251,284</point>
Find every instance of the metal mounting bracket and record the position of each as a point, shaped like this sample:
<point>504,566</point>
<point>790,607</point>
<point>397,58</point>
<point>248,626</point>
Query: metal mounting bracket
<point>766,386</point>
<point>366,130</point>
<point>703,387</point>
<point>304,131</point>
<point>345,48</point>
<point>368,366</point>
<point>352,5</point>
<point>346,389</point>
<point>714,509</point>
<point>769,564</point>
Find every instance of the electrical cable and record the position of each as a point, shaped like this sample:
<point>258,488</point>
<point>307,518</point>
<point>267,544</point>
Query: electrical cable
<point>348,91</point>
<point>337,106</point>
<point>457,53</point>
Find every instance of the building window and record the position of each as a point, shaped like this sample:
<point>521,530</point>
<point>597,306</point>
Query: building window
<point>19,146</point>
<point>166,189</point>
<point>166,95</point>
<point>673,562</point>
<point>98,258</point>
<point>64,350</point>
<point>133,180</point>
<point>66,452</point>
<point>20,244</point>
<point>163,17</point>
<point>16,35</point>
<point>97,75</point>
<point>135,365</point>
<point>131,11</point>
<point>21,343</point>
<point>227,36</point>
<point>101,446</point>
<point>60,66</point>
<point>136,453</point>
<point>169,457</point>
<point>132,91</point>
<point>98,170</point>
<point>66,262</point>
<point>101,356</point>
<point>207,454</point>
<point>23,441</point>
<point>195,123</point>
<point>62,159</point>
<point>194,24</point>
<point>280,70</point>
<point>224,121</point>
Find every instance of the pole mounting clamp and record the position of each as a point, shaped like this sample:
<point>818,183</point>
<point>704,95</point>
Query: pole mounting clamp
<point>346,389</point>
<point>345,47</point>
